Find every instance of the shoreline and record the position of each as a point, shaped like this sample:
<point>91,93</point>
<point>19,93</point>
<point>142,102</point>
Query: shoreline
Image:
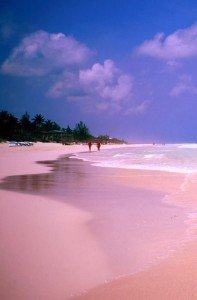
<point>78,217</point>
<point>172,279</point>
<point>41,152</point>
<point>34,231</point>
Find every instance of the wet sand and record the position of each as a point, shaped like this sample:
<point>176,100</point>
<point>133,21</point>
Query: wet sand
<point>78,226</point>
<point>173,279</point>
<point>42,240</point>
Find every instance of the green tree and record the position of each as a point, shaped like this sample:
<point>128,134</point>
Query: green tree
<point>25,122</point>
<point>50,125</point>
<point>103,137</point>
<point>38,121</point>
<point>9,125</point>
<point>81,132</point>
<point>69,130</point>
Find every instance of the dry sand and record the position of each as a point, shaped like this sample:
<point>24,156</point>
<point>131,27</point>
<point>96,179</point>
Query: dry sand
<point>44,242</point>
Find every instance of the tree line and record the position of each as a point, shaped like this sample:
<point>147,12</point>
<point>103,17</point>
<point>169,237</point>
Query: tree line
<point>39,129</point>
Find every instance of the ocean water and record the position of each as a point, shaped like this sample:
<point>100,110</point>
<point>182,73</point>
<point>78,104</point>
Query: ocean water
<point>179,158</point>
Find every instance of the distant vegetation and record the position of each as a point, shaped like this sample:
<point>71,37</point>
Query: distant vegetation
<point>40,129</point>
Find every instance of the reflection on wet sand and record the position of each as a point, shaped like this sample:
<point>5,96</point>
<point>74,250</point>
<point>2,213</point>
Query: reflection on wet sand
<point>64,174</point>
<point>131,225</point>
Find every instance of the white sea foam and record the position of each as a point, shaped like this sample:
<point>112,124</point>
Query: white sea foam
<point>144,167</point>
<point>123,154</point>
<point>152,156</point>
<point>170,158</point>
<point>188,146</point>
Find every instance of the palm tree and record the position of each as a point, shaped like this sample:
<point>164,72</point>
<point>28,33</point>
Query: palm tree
<point>25,122</point>
<point>38,121</point>
<point>49,125</point>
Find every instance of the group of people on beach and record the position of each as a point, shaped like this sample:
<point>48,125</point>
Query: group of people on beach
<point>98,144</point>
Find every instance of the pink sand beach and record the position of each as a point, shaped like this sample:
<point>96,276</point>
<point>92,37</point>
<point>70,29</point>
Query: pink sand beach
<point>72,230</point>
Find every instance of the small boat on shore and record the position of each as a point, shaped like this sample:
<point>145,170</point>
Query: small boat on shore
<point>16,144</point>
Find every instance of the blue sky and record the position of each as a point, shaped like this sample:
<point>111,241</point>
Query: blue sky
<point>126,68</point>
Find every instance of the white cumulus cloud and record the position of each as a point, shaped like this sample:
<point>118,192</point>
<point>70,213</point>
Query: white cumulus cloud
<point>107,81</point>
<point>103,86</point>
<point>41,52</point>
<point>180,44</point>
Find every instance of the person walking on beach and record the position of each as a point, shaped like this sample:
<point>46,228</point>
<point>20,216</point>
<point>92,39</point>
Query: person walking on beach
<point>90,146</point>
<point>98,146</point>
